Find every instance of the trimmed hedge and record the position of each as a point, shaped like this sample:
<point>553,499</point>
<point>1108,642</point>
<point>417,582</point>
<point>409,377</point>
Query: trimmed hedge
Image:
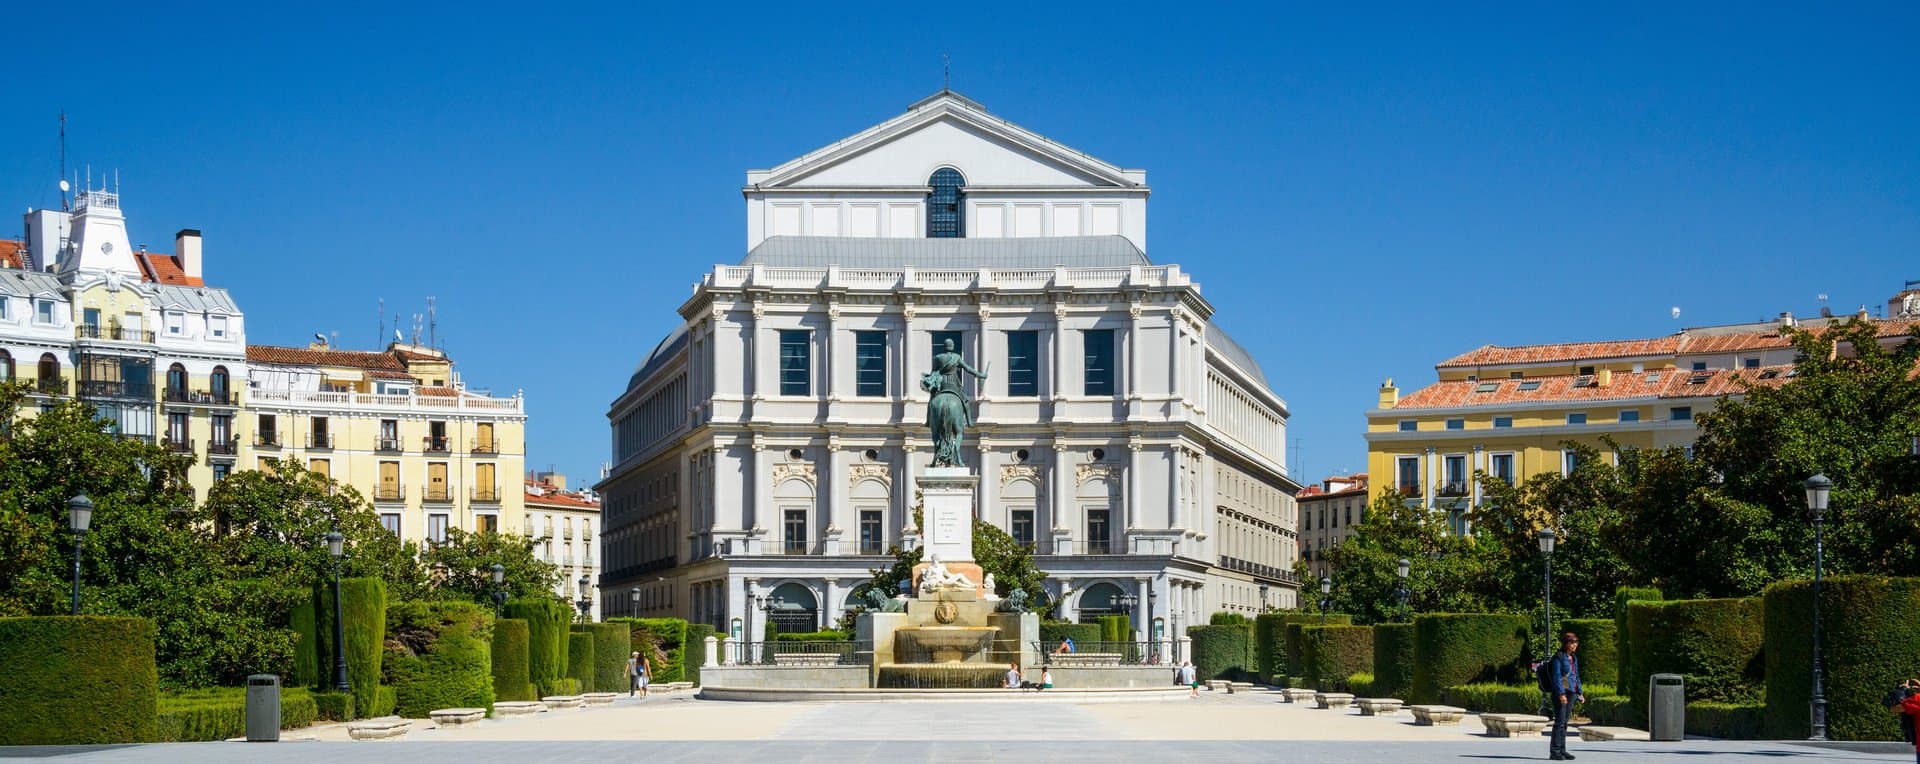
<point>580,660</point>
<point>1362,686</point>
<point>1599,649</point>
<point>1393,660</point>
<point>1493,698</point>
<point>1275,656</point>
<point>1869,640</point>
<point>669,636</point>
<point>365,602</point>
<point>1621,597</point>
<point>1296,666</point>
<point>1080,633</point>
<point>695,655</point>
<point>1115,628</point>
<point>1332,653</point>
<point>440,656</point>
<point>77,679</point>
<point>612,646</point>
<point>547,621</point>
<point>566,685</point>
<point>1727,721</point>
<point>510,674</point>
<point>1222,652</point>
<point>221,713</point>
<point>1467,648</point>
<point>1715,644</point>
<point>1613,711</point>
<point>306,646</point>
<point>334,706</point>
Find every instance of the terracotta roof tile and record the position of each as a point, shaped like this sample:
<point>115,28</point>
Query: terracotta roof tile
<point>164,269</point>
<point>439,392</point>
<point>1490,355</point>
<point>13,254</point>
<point>540,493</point>
<point>359,359</point>
<point>1664,383</point>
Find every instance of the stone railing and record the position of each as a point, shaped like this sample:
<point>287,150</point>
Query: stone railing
<point>460,402</point>
<point>890,279</point>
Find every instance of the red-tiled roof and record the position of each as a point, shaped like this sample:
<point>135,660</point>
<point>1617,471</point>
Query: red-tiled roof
<point>1662,383</point>
<point>1490,355</point>
<point>541,493</point>
<point>164,269</point>
<point>443,392</point>
<point>13,254</point>
<point>358,359</point>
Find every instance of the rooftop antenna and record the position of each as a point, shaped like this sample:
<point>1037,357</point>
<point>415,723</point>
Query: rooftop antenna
<point>433,324</point>
<point>946,72</point>
<point>66,205</point>
<point>1825,310</point>
<point>416,329</point>
<point>334,341</point>
<point>380,335</point>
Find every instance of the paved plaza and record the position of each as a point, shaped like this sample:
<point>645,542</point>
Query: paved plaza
<point>1241,728</point>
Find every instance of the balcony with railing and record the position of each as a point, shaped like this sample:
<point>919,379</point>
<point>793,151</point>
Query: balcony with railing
<point>113,332</point>
<point>957,279</point>
<point>387,444</point>
<point>434,444</point>
<point>266,440</point>
<point>227,447</point>
<point>320,440</point>
<point>484,446</point>
<point>177,445</point>
<point>200,397</point>
<point>1099,546</point>
<point>50,385</point>
<point>793,546</point>
<point>872,547</point>
<point>436,494</point>
<point>1453,488</point>
<point>465,401</point>
<point>389,492</point>
<point>1408,490</point>
<point>1257,569</point>
<point>484,494</point>
<point>97,388</point>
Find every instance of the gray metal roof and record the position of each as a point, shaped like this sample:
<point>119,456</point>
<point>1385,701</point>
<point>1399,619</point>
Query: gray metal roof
<point>195,299</point>
<point>1219,340</point>
<point>24,283</point>
<point>849,252</point>
<point>669,345</point>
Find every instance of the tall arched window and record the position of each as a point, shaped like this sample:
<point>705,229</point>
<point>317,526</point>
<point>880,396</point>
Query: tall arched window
<point>49,375</point>
<point>176,383</point>
<point>217,384</point>
<point>946,206</point>
<point>6,366</point>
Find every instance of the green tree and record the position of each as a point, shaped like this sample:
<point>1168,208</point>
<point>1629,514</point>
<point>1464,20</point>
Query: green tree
<point>1448,572</point>
<point>463,567</point>
<point>1582,508</point>
<point>994,550</point>
<point>272,525</point>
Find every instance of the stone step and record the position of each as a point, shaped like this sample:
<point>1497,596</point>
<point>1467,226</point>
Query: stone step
<point>1593,734</point>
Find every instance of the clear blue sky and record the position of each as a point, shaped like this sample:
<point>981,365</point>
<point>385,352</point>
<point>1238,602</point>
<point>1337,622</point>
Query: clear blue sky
<point>1361,195</point>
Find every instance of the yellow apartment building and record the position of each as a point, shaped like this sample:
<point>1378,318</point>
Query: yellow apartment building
<point>1509,410</point>
<point>397,425</point>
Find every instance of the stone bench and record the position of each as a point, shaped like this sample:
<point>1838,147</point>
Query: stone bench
<point>806,659</point>
<point>1514,725</point>
<point>1297,694</point>
<point>1332,700</point>
<point>1430,715</point>
<point>599,698</point>
<point>456,717</point>
<point>679,685</point>
<point>1378,706</point>
<point>1216,684</point>
<point>518,707</point>
<point>1084,659</point>
<point>563,701</point>
<point>383,728</point>
<point>1594,734</point>
<point>1239,687</point>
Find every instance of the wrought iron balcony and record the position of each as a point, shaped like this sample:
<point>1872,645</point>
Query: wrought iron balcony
<point>389,492</point>
<point>177,445</point>
<point>387,444</point>
<point>50,385</point>
<point>112,332</point>
<point>793,546</point>
<point>319,440</point>
<point>1455,488</point>
<point>266,440</point>
<point>484,446</point>
<point>1408,490</point>
<point>436,494</point>
<point>94,388</point>
<point>222,447</point>
<point>488,494</point>
<point>205,397</point>
<point>434,444</point>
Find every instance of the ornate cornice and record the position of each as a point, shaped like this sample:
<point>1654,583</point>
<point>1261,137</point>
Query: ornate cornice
<point>1012,472</point>
<point>1085,472</point>
<point>801,470</point>
<point>859,472</point>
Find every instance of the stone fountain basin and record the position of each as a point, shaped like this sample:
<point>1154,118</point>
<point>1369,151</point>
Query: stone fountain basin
<point>943,644</point>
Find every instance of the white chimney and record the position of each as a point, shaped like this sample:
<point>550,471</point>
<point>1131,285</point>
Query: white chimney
<point>186,247</point>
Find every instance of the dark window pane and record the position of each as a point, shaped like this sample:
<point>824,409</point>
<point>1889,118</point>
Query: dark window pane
<point>796,360</point>
<point>1099,369</point>
<point>871,536</point>
<point>1022,527</point>
<point>870,364</point>
<point>945,204</point>
<point>1023,363</point>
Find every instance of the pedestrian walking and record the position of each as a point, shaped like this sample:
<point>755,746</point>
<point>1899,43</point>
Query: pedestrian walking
<point>633,675</point>
<point>1911,707</point>
<point>646,674</point>
<point>1893,701</point>
<point>1563,682</point>
<point>1191,678</point>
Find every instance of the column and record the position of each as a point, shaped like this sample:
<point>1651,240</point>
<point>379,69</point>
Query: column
<point>829,591</point>
<point>1133,355</point>
<point>1178,508</point>
<point>1133,488</point>
<point>1427,491</point>
<point>762,491</point>
<point>1056,380</point>
<point>987,506</point>
<point>833,492</point>
<point>1142,624</point>
<point>1069,609</point>
<point>1061,511</point>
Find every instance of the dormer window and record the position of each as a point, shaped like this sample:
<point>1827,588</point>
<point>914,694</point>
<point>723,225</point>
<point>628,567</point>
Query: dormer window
<point>946,204</point>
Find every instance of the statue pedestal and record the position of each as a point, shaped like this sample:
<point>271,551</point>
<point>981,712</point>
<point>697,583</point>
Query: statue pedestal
<point>946,517</point>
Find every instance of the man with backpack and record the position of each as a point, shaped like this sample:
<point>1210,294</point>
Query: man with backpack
<point>1560,680</point>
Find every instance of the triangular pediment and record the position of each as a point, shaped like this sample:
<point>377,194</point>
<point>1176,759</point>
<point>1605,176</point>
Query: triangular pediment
<point>947,130</point>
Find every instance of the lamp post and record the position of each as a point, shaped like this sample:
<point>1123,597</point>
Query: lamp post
<point>1545,536</point>
<point>1263,598</point>
<point>79,517</point>
<point>1126,603</point>
<point>499,588</point>
<point>336,548</point>
<point>1404,567</point>
<point>1152,637</point>
<point>586,599</point>
<point>1818,487</point>
<point>633,598</point>
<point>768,604</point>
<point>1326,598</point>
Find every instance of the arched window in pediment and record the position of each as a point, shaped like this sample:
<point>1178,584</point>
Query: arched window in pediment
<point>946,205</point>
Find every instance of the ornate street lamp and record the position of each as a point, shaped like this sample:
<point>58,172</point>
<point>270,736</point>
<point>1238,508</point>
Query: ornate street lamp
<point>586,599</point>
<point>79,517</point>
<point>1818,488</point>
<point>1326,598</point>
<point>1263,598</point>
<point>336,548</point>
<point>1404,567</point>
<point>1546,537</point>
<point>768,604</point>
<point>633,596</point>
<point>499,588</point>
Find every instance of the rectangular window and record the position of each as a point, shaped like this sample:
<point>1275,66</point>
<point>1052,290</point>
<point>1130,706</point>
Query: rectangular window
<point>1306,520</point>
<point>1530,385</point>
<point>217,327</point>
<point>1503,467</point>
<point>1699,365</point>
<point>1099,534</point>
<point>486,523</point>
<point>1752,363</point>
<point>90,317</point>
<point>3,307</point>
<point>176,323</point>
<point>1023,364</point>
<point>388,489</point>
<point>796,531</point>
<point>1409,425</point>
<point>437,436</point>
<point>389,435</point>
<point>221,470</point>
<point>1503,421</point>
<point>437,529</point>
<point>43,311</point>
<point>1630,415</point>
<point>391,522</point>
<point>872,533</point>
<point>1456,475</point>
<point>436,489</point>
<point>1487,387</point>
<point>796,362</point>
<point>177,429</point>
<point>1409,476</point>
<point>870,364</point>
<point>1020,526</point>
<point>1456,424</point>
<point>1586,371</point>
<point>321,467</point>
<point>1569,460</point>
<point>317,427</point>
<point>1099,368</point>
<point>1681,413</point>
<point>1578,417</point>
<point>269,434</point>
